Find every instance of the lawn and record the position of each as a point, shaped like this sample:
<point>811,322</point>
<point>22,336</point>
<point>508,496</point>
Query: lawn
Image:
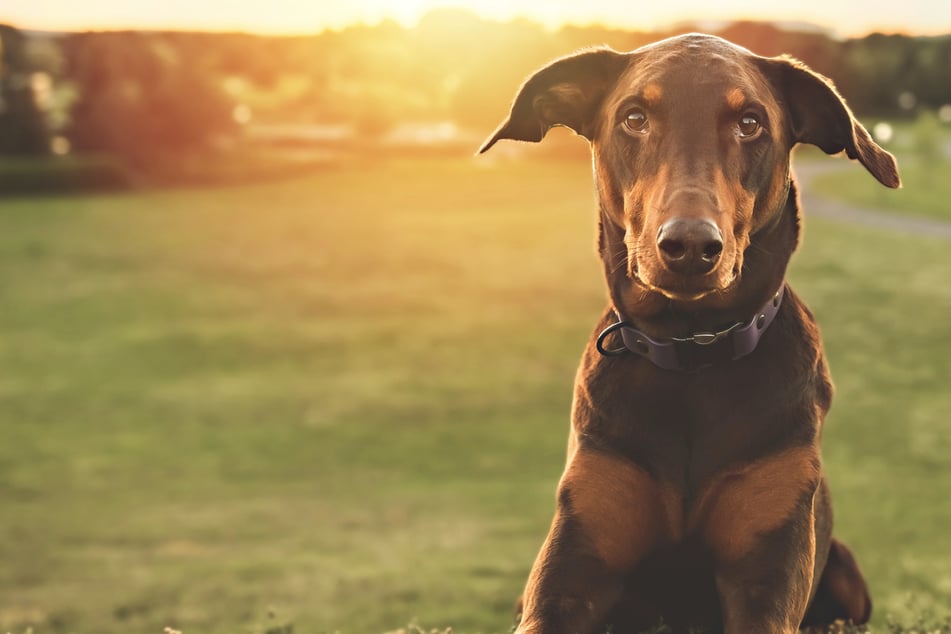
<point>923,150</point>
<point>339,403</point>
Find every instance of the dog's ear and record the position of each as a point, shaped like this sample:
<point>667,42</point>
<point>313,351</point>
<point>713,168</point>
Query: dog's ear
<point>566,92</point>
<point>819,116</point>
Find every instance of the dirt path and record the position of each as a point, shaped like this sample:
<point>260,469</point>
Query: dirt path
<point>815,205</point>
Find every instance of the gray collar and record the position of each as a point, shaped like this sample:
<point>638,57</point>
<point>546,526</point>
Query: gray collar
<point>700,350</point>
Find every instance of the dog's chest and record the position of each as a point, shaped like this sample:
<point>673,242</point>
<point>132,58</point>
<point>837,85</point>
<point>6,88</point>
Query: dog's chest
<point>688,430</point>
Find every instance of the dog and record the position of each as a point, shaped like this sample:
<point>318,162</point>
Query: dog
<point>694,493</point>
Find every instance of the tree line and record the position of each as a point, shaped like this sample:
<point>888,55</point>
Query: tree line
<point>143,96</point>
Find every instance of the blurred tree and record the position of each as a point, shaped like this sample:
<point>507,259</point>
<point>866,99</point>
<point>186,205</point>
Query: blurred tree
<point>142,98</point>
<point>876,69</point>
<point>151,96</point>
<point>930,74</point>
<point>23,124</point>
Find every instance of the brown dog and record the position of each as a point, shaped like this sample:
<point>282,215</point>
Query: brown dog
<point>694,489</point>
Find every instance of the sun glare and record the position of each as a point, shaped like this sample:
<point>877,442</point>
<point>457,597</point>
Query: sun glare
<point>302,17</point>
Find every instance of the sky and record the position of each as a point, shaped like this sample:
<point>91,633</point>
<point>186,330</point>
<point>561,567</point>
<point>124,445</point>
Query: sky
<point>841,17</point>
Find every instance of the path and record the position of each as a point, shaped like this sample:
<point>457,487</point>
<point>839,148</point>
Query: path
<point>815,205</point>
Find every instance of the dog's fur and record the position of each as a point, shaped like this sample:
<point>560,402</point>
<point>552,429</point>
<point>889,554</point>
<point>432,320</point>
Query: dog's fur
<point>695,497</point>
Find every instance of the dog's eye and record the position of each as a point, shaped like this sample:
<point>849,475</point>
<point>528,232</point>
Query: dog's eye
<point>636,121</point>
<point>748,126</point>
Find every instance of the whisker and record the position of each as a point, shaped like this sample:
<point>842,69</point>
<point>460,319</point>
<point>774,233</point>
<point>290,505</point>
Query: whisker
<point>621,258</point>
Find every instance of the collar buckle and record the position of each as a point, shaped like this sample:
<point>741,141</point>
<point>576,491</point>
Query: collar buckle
<point>708,338</point>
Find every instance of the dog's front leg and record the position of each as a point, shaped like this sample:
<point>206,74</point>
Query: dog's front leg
<point>611,513</point>
<point>763,535</point>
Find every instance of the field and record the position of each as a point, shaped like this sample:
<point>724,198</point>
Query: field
<point>339,403</point>
<point>923,150</point>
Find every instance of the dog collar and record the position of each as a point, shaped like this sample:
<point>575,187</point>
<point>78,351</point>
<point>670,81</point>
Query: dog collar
<point>700,350</point>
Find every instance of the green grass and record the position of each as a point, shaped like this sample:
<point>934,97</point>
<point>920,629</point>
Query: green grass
<point>925,189</point>
<point>340,403</point>
<point>922,149</point>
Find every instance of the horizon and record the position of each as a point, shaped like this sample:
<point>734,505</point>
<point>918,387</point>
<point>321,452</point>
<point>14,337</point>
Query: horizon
<point>292,17</point>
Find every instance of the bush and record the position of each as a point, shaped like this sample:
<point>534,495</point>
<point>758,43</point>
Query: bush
<point>60,175</point>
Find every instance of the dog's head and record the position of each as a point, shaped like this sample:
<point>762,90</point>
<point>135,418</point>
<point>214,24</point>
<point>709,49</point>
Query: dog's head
<point>691,139</point>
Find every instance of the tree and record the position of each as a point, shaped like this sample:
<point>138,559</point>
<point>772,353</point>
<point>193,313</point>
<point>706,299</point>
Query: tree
<point>23,125</point>
<point>140,98</point>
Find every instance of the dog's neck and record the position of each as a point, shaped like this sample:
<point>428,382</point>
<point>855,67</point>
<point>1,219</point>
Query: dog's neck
<point>764,268</point>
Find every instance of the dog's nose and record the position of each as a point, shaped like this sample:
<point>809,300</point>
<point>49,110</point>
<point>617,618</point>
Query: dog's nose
<point>689,246</point>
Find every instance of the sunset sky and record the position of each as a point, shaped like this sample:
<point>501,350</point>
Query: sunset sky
<point>309,16</point>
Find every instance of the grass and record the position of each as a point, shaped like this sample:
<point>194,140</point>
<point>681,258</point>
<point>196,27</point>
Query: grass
<point>922,149</point>
<point>340,403</point>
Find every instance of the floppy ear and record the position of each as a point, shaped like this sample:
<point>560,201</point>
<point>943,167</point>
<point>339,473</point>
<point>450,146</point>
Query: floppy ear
<point>566,92</point>
<point>819,116</point>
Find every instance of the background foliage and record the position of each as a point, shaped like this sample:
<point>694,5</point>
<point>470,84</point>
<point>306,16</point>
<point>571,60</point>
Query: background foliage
<point>156,100</point>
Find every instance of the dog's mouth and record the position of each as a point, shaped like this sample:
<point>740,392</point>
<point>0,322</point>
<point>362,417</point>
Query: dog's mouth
<point>686,289</point>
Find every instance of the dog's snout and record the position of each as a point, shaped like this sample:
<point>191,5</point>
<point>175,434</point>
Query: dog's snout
<point>689,246</point>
